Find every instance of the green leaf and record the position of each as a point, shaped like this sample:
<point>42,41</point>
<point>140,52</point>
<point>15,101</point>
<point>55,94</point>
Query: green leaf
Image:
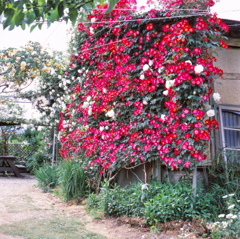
<point>18,19</point>
<point>40,26</point>
<point>73,13</point>
<point>9,13</point>
<point>41,2</point>
<point>53,15</point>
<point>60,9</point>
<point>33,27</point>
<point>23,26</point>
<point>11,27</point>
<point>30,17</point>
<point>111,5</point>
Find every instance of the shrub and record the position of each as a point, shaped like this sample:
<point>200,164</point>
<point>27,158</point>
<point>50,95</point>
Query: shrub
<point>160,203</point>
<point>176,202</point>
<point>228,226</point>
<point>47,177</point>
<point>73,180</point>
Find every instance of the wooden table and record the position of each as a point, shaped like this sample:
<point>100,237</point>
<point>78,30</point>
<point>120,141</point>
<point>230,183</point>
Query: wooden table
<point>7,165</point>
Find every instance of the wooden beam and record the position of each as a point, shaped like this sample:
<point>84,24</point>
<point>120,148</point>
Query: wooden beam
<point>233,42</point>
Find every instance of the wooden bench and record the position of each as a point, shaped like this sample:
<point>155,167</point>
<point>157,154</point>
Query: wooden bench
<point>7,165</point>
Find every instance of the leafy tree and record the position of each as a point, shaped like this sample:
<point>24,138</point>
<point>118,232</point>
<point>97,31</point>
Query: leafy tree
<point>35,12</point>
<point>37,74</point>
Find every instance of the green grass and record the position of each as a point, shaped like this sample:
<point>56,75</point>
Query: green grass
<point>49,228</point>
<point>18,204</point>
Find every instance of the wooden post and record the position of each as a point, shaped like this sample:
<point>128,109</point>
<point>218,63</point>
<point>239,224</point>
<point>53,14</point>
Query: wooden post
<point>54,145</point>
<point>195,182</point>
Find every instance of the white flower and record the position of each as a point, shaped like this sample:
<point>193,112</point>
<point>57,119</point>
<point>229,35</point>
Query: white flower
<point>231,206</point>
<point>89,98</point>
<point>216,97</point>
<point>91,30</point>
<point>231,195</point>
<point>59,77</point>
<point>210,113</point>
<point>106,127</point>
<point>145,102</point>
<point>160,70</point>
<point>85,105</point>
<point>169,83</point>
<point>198,69</point>
<point>145,186</point>
<point>110,114</point>
<point>104,90</point>
<point>165,92</point>
<point>93,19</point>
<point>90,111</point>
<point>163,117</point>
<point>150,63</point>
<point>188,61</point>
<point>142,77</point>
<point>145,67</point>
<point>221,215</point>
<point>101,128</point>
<point>230,215</point>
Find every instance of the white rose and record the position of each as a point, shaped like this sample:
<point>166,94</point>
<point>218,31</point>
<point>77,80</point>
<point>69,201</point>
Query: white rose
<point>145,102</point>
<point>198,69</point>
<point>165,92</point>
<point>93,19</point>
<point>216,97</point>
<point>210,113</point>
<point>145,67</point>
<point>90,111</point>
<point>89,98</point>
<point>160,70</point>
<point>169,83</point>
<point>163,117</point>
<point>91,30</point>
<point>142,77</point>
<point>110,114</point>
<point>85,105</point>
<point>150,63</point>
<point>101,128</point>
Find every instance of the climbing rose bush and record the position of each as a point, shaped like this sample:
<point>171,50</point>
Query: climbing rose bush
<point>145,83</point>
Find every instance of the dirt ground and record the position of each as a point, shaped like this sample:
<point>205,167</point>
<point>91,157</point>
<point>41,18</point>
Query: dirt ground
<point>25,211</point>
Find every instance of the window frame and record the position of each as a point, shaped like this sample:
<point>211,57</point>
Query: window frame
<point>222,128</point>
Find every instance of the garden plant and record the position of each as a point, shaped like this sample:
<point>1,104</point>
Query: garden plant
<point>142,87</point>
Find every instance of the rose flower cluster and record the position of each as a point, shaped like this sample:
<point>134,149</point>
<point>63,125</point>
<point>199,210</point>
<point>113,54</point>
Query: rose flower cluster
<point>145,83</point>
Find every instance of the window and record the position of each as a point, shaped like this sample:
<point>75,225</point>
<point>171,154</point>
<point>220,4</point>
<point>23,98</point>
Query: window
<point>230,132</point>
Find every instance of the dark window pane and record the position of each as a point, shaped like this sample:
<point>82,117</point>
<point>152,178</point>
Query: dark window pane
<point>231,118</point>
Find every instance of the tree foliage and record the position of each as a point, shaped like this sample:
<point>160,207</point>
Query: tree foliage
<point>35,12</point>
<point>35,73</point>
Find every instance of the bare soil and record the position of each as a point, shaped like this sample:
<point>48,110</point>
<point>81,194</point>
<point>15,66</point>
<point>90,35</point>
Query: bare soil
<point>27,212</point>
